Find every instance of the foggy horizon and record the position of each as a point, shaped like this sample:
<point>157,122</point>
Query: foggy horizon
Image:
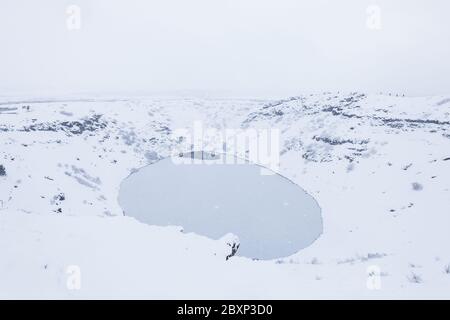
<point>224,48</point>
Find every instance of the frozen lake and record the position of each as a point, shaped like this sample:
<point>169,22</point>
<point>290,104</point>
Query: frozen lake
<point>272,216</point>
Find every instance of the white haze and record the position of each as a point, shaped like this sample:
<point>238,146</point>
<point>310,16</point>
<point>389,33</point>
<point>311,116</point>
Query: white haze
<point>227,47</point>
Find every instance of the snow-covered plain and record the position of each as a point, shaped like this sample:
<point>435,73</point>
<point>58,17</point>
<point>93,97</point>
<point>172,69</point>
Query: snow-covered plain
<point>379,167</point>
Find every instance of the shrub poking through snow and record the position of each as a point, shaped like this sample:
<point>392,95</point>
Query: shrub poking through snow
<point>414,278</point>
<point>232,241</point>
<point>447,269</point>
<point>417,186</point>
<point>2,170</point>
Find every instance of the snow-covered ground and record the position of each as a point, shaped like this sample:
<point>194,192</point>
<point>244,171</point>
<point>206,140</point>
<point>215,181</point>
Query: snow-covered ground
<point>379,167</point>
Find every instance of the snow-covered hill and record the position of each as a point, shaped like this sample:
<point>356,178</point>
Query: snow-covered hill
<point>379,167</point>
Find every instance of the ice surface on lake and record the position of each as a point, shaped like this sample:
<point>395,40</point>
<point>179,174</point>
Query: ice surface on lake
<point>272,216</point>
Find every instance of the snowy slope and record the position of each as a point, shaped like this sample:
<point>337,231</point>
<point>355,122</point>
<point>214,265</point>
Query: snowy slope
<point>379,167</point>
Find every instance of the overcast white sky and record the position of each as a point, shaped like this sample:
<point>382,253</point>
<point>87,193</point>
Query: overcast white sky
<point>224,47</point>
